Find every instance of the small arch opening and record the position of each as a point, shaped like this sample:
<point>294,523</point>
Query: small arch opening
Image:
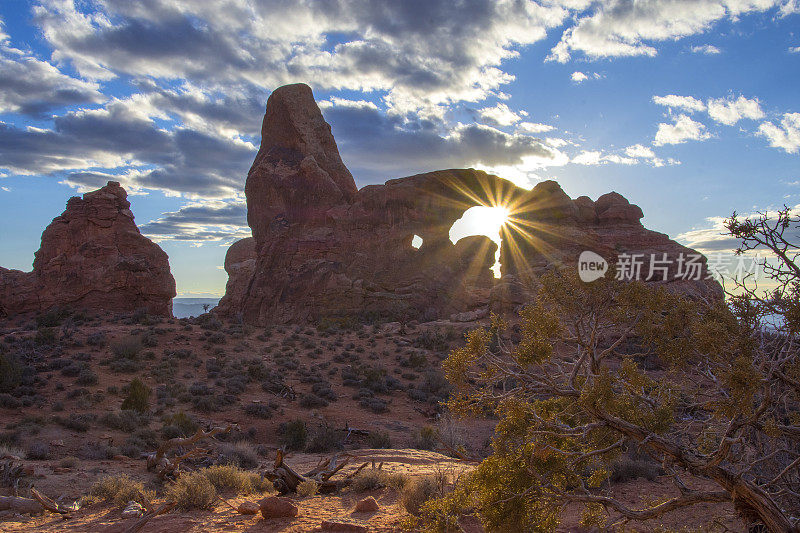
<point>416,242</point>
<point>481,220</point>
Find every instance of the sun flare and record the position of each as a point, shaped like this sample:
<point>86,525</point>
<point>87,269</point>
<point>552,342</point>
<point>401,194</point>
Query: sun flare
<point>482,220</point>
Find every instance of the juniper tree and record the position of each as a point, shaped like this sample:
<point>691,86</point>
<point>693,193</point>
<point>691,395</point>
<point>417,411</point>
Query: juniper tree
<point>594,369</point>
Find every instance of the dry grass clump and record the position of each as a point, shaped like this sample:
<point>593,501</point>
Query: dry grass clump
<point>415,493</point>
<point>119,489</point>
<point>372,478</point>
<point>307,488</point>
<point>193,490</point>
<point>230,478</point>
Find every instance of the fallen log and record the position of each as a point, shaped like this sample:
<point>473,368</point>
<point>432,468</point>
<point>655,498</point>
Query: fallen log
<point>165,466</point>
<point>285,479</point>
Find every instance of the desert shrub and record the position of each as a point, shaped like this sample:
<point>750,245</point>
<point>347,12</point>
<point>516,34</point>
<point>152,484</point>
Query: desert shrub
<point>294,434</point>
<point>417,492</point>
<point>138,398</point>
<point>14,451</point>
<point>379,439</point>
<point>96,451</point>
<point>11,371</point>
<point>51,318</point>
<point>45,336</point>
<point>425,439</point>
<point>323,439</point>
<point>76,422</point>
<point>307,488</point>
<point>38,451</point>
<point>311,401</point>
<point>73,370</point>
<point>258,410</point>
<point>140,441</point>
<point>230,478</point>
<point>217,338</point>
<point>96,339</point>
<point>192,490</point>
<point>242,454</point>
<point>368,479</point>
<point>376,405</point>
<point>128,348</point>
<point>68,462</point>
<point>9,402</point>
<point>119,489</point>
<point>183,422</point>
<point>87,376</point>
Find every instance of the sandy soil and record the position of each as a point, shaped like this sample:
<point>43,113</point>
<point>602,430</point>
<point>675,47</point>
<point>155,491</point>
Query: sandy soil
<point>179,354</point>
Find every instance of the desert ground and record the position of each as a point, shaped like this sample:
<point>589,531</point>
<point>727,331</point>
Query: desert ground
<point>371,393</point>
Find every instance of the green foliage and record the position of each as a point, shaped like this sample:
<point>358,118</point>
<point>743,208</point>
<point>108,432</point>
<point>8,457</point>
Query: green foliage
<point>11,371</point>
<point>566,393</point>
<point>294,434</point>
<point>138,398</point>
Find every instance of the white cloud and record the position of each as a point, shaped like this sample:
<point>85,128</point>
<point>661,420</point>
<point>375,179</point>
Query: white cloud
<point>683,129</point>
<point>794,49</point>
<point>706,49</point>
<point>534,127</point>
<point>729,111</point>
<point>786,135</point>
<point>579,77</point>
<point>619,28</point>
<point>6,189</point>
<point>638,150</point>
<point>596,157</point>
<point>499,115</point>
<point>687,103</point>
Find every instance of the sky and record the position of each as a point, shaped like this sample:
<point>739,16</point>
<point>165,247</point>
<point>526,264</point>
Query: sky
<point>689,108</point>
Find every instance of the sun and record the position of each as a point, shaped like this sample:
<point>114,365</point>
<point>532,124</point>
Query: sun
<point>482,220</point>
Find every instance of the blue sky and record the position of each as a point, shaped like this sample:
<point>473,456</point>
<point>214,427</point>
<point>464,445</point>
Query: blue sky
<point>688,108</point>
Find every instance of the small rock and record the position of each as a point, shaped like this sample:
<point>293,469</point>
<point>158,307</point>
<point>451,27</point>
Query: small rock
<point>343,526</point>
<point>277,507</point>
<point>248,508</point>
<point>132,510</point>
<point>367,505</point>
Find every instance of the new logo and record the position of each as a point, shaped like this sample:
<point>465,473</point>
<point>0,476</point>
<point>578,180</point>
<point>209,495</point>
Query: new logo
<point>591,266</point>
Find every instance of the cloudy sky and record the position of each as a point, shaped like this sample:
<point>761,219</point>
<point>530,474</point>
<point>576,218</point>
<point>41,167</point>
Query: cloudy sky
<point>687,107</point>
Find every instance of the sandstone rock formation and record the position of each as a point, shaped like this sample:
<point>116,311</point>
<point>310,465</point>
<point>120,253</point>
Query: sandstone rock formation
<point>92,257</point>
<point>322,248</point>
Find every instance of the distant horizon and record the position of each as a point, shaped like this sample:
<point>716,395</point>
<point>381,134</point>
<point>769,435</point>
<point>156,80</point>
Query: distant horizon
<point>689,113</point>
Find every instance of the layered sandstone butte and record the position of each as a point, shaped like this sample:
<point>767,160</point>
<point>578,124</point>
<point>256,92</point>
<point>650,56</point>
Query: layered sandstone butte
<point>92,257</point>
<point>321,247</point>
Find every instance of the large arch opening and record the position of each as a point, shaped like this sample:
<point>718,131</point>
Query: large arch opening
<point>481,220</point>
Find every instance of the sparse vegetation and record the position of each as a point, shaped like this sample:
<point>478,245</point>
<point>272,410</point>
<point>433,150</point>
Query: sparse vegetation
<point>192,490</point>
<point>119,489</point>
<point>138,398</point>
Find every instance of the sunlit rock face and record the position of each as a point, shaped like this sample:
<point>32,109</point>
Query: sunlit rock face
<point>322,248</point>
<point>92,257</point>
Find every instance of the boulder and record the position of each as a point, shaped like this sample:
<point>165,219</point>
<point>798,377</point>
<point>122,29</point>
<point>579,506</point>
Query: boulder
<point>248,508</point>
<point>367,505</point>
<point>342,525</point>
<point>277,507</point>
<point>93,257</point>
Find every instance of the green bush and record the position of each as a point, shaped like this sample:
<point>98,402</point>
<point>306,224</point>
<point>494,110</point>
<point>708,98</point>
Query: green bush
<point>379,439</point>
<point>10,373</point>
<point>294,434</point>
<point>138,398</point>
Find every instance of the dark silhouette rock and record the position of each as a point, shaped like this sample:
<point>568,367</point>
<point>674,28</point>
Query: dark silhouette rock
<point>93,257</point>
<point>322,248</point>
